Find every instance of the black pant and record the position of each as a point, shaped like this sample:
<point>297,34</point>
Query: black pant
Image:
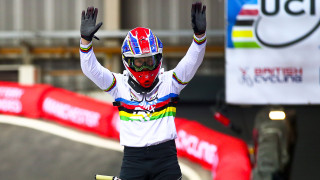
<point>158,162</point>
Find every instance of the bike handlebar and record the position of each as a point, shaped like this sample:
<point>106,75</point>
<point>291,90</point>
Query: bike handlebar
<point>103,177</point>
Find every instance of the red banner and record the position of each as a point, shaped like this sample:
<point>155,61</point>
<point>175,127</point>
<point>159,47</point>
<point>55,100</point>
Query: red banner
<point>78,111</point>
<point>22,100</point>
<point>226,156</point>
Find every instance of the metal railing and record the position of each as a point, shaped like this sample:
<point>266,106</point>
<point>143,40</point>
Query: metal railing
<point>101,34</point>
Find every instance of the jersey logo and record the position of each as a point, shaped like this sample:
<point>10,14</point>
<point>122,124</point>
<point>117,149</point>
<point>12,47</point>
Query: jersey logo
<point>145,104</point>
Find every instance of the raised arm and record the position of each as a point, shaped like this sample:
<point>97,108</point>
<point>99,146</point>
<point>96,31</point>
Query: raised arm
<point>189,64</point>
<point>90,66</point>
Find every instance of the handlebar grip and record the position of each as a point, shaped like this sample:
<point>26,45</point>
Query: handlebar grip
<point>103,177</point>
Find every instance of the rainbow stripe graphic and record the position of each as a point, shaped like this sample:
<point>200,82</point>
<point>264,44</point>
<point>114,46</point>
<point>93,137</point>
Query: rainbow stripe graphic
<point>127,116</point>
<point>242,34</point>
<point>147,111</point>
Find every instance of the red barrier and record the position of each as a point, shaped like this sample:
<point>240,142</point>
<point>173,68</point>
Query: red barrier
<point>78,111</point>
<point>21,100</point>
<point>226,156</point>
<point>180,122</point>
<point>233,157</point>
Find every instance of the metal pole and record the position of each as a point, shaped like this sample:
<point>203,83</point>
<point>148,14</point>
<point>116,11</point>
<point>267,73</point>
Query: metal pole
<point>49,18</point>
<point>174,18</point>
<point>17,18</point>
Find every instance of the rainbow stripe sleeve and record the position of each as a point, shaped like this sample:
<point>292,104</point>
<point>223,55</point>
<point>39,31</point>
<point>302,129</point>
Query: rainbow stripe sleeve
<point>199,41</point>
<point>174,76</point>
<point>114,82</point>
<point>86,49</point>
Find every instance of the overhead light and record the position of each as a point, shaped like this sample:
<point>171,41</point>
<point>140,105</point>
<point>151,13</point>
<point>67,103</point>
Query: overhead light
<point>277,115</point>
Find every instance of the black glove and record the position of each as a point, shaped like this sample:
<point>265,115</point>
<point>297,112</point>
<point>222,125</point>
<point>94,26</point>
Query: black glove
<point>88,24</point>
<point>198,18</point>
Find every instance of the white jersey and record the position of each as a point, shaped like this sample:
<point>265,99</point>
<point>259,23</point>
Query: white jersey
<point>145,119</point>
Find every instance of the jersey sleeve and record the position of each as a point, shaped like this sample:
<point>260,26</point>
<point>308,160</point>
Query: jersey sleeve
<point>189,64</point>
<point>90,66</point>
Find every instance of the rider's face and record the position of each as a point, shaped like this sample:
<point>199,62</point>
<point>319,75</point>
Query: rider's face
<point>138,62</point>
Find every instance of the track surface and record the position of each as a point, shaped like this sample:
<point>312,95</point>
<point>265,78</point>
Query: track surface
<point>30,154</point>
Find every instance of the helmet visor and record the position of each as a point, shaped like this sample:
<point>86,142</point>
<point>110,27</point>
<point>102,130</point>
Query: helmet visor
<point>144,63</point>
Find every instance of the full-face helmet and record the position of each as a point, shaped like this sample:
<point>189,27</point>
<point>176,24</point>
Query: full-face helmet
<point>142,56</point>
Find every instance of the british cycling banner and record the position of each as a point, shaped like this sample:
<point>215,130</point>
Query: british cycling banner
<point>273,52</point>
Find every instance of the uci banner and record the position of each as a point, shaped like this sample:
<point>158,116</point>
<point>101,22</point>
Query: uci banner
<point>273,52</point>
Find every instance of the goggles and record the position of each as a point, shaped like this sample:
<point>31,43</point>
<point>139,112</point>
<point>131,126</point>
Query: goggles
<point>144,63</point>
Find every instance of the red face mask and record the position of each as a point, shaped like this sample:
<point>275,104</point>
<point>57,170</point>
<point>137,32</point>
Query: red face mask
<point>146,77</point>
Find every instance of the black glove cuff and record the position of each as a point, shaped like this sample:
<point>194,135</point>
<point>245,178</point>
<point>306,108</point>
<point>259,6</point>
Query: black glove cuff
<point>88,38</point>
<point>199,32</point>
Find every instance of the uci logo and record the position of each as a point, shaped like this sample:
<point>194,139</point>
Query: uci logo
<point>291,7</point>
<point>286,22</point>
